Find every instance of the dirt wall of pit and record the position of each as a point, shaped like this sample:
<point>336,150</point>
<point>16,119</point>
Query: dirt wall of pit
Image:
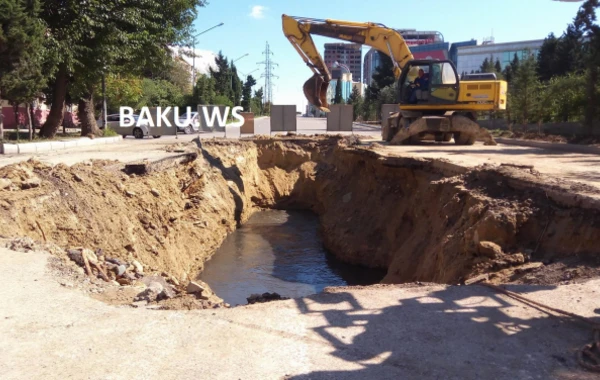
<point>420,219</point>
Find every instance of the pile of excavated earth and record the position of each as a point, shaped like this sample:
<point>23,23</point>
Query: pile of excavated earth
<point>138,234</point>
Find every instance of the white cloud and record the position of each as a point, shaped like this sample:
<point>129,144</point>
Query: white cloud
<point>258,11</point>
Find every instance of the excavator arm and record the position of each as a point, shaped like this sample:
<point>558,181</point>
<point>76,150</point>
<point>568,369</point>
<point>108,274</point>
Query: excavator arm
<point>299,31</point>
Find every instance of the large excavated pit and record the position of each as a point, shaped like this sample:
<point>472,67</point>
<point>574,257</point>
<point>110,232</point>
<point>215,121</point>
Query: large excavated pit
<point>417,219</point>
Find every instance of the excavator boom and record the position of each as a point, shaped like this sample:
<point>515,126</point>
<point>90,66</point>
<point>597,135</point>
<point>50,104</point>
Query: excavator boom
<point>299,31</point>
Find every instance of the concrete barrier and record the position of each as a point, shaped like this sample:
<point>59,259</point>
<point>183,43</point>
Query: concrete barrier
<point>340,118</point>
<point>46,146</point>
<point>248,127</point>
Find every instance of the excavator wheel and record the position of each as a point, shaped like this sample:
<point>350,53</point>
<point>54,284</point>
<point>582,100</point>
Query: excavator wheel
<point>390,128</point>
<point>464,138</point>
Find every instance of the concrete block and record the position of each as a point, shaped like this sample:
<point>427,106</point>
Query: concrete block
<point>27,148</point>
<point>57,145</point>
<point>10,149</point>
<point>43,146</point>
<point>70,144</point>
<point>84,141</point>
<point>233,132</point>
<point>262,129</point>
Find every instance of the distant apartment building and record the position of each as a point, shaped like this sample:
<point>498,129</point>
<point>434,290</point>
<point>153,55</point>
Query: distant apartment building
<point>470,58</point>
<point>423,44</point>
<point>345,54</point>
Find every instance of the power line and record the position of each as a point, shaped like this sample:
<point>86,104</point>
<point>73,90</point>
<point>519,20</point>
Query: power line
<point>268,74</point>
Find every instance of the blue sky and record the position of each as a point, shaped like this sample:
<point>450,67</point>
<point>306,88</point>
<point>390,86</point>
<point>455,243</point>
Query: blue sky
<point>250,24</point>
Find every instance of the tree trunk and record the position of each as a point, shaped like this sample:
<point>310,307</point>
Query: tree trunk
<point>591,109</point>
<point>1,119</point>
<point>28,109</point>
<point>57,110</point>
<point>32,117</point>
<point>17,125</point>
<point>85,113</point>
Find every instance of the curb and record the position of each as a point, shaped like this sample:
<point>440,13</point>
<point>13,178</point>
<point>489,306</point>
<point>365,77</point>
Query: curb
<point>47,146</point>
<point>572,148</point>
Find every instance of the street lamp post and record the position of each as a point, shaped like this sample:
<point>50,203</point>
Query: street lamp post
<point>194,50</point>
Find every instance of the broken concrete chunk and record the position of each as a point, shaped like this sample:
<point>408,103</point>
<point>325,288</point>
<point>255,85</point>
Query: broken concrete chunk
<point>119,270</point>
<point>194,287</point>
<point>489,249</point>
<point>130,194</point>
<point>5,183</point>
<point>75,255</point>
<point>77,178</point>
<point>31,183</point>
<point>90,255</point>
<point>139,268</point>
<point>155,192</point>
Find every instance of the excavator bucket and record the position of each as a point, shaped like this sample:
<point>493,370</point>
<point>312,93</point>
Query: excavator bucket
<point>315,90</point>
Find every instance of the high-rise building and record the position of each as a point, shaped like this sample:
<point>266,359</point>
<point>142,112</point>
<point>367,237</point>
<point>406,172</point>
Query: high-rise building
<point>349,55</point>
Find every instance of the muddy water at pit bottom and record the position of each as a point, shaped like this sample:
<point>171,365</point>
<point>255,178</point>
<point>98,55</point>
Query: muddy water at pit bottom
<point>282,252</point>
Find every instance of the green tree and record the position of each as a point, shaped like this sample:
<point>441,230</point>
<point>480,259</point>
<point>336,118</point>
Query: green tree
<point>236,86</point>
<point>103,36</point>
<point>485,66</point>
<point>222,76</point>
<point>247,93</point>
<point>179,74</point>
<point>511,69</point>
<point>204,90</point>
<point>123,91</point>
<point>547,58</point>
<point>586,21</point>
<point>569,51</point>
<point>257,105</point>
<point>356,100</point>
<point>22,54</point>
<point>498,67</point>
<point>524,92</point>
<point>567,97</point>
<point>160,93</point>
<point>382,77</point>
<point>338,93</point>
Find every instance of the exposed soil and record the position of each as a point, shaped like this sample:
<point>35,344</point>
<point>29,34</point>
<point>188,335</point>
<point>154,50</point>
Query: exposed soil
<point>420,219</point>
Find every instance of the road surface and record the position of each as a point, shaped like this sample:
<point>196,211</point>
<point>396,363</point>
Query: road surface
<point>579,167</point>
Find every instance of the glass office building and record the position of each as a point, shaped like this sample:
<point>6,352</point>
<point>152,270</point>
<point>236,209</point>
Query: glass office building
<point>470,58</point>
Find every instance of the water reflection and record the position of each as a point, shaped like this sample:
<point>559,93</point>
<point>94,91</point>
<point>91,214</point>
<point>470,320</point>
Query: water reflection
<point>279,251</point>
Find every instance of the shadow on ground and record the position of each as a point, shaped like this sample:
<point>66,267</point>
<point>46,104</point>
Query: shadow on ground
<point>452,333</point>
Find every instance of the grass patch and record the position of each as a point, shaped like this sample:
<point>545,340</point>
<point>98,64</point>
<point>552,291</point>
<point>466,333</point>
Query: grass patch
<point>109,132</point>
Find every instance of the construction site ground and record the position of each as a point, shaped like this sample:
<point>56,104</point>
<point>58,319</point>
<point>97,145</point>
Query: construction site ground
<point>572,166</point>
<point>380,332</point>
<point>53,326</point>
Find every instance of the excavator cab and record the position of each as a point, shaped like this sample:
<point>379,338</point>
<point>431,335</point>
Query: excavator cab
<point>441,78</point>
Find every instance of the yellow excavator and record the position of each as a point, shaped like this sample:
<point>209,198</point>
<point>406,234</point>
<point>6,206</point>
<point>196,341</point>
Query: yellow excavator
<point>442,110</point>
